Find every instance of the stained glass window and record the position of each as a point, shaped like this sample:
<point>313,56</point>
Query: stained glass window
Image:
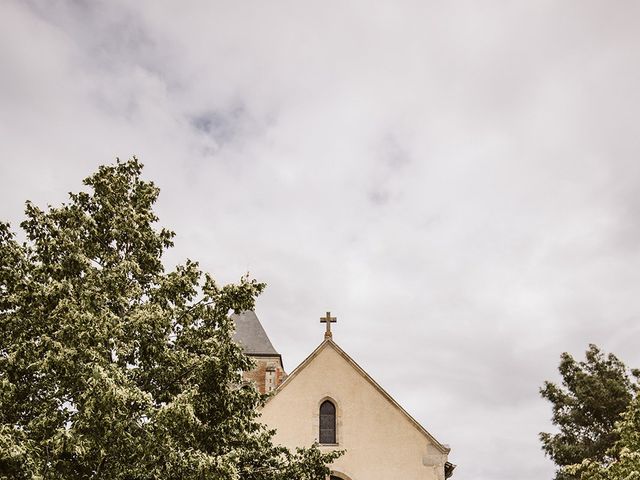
<point>327,422</point>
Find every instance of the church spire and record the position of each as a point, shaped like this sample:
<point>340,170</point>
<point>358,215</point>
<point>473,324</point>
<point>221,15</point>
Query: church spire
<point>328,320</point>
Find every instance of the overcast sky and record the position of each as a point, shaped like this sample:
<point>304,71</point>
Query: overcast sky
<point>457,181</point>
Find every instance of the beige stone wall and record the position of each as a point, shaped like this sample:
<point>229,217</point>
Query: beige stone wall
<point>381,442</point>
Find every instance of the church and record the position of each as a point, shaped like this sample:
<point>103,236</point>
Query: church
<point>330,400</point>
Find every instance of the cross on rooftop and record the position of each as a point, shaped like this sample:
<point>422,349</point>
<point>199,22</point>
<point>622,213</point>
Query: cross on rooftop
<point>328,319</point>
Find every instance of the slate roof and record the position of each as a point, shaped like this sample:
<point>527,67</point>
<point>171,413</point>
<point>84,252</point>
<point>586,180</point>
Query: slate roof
<point>251,335</point>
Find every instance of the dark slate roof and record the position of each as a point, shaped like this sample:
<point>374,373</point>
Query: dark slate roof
<point>251,335</point>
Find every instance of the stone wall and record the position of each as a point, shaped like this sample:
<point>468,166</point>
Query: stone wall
<point>267,375</point>
<point>380,441</point>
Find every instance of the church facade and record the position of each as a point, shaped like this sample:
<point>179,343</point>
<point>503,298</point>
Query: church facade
<point>330,400</point>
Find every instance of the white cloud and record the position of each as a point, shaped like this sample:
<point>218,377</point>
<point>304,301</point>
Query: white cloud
<point>457,182</point>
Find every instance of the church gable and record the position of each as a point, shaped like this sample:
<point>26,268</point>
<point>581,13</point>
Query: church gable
<point>368,423</point>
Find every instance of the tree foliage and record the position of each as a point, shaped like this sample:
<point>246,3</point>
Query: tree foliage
<point>623,459</point>
<point>592,398</point>
<point>113,368</point>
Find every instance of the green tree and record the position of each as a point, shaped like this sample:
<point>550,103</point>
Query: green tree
<point>623,459</point>
<point>111,367</point>
<point>593,396</point>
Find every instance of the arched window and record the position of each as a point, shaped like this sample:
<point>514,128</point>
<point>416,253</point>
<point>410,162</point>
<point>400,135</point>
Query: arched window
<point>327,422</point>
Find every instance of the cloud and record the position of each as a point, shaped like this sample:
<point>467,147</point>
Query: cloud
<point>457,182</point>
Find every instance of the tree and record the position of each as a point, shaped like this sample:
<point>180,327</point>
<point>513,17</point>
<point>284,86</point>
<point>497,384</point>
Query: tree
<point>623,459</point>
<point>593,396</point>
<point>111,367</point>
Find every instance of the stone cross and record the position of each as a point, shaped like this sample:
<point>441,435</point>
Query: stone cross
<point>328,320</point>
